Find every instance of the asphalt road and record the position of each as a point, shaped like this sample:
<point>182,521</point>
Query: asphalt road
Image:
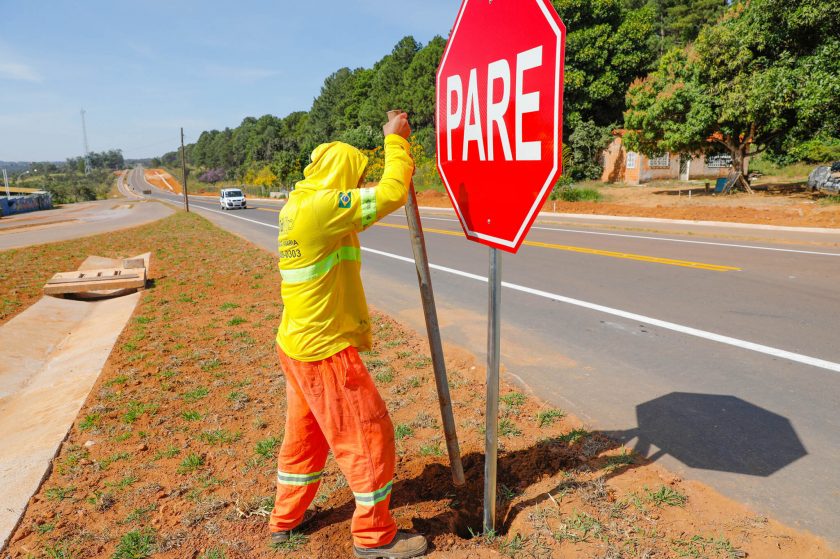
<point>712,349</point>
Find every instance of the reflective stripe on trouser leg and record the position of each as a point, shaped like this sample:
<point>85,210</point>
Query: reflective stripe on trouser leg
<point>355,423</point>
<point>300,461</point>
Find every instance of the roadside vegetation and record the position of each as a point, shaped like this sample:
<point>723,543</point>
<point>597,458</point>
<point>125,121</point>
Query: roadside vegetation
<point>68,183</point>
<point>650,68</point>
<point>173,453</point>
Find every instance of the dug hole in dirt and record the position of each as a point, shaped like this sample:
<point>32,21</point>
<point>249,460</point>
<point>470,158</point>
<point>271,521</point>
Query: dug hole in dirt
<point>173,453</point>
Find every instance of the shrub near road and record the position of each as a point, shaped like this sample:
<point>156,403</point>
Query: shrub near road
<point>173,453</point>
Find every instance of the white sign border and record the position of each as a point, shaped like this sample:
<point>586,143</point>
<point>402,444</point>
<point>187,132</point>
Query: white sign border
<point>557,143</point>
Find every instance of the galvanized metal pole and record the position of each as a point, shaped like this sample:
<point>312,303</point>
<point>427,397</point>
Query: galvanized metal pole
<point>492,413</point>
<point>184,172</point>
<point>427,296</point>
<point>6,180</point>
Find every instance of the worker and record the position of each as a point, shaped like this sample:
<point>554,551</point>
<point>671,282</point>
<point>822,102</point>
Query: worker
<point>332,402</point>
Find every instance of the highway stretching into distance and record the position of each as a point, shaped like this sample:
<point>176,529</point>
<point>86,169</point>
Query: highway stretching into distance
<point>714,350</point>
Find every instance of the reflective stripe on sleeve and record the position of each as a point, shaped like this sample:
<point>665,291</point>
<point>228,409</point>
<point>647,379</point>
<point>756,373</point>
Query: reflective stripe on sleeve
<point>320,268</point>
<point>298,479</point>
<point>370,499</point>
<point>368,206</point>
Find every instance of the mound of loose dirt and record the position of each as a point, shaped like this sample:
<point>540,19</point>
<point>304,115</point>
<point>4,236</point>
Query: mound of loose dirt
<point>173,452</point>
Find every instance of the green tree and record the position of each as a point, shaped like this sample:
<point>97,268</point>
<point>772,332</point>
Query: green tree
<point>265,177</point>
<point>607,47</point>
<point>586,142</point>
<point>766,76</point>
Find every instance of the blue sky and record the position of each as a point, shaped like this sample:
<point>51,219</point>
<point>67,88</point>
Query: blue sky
<point>143,69</point>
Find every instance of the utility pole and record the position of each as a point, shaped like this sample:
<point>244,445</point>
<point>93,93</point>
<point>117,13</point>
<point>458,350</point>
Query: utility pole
<point>87,149</point>
<point>184,171</point>
<point>6,180</point>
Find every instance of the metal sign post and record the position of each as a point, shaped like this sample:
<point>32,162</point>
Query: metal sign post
<point>427,296</point>
<point>491,436</point>
<point>184,172</point>
<point>499,133</point>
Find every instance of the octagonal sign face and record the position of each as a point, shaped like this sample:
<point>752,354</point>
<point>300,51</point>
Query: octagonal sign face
<point>499,116</point>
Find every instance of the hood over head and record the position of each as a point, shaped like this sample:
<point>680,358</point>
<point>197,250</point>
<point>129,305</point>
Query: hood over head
<point>335,165</point>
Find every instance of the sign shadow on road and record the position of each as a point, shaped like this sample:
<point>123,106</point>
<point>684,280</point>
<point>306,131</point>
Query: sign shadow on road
<point>714,432</point>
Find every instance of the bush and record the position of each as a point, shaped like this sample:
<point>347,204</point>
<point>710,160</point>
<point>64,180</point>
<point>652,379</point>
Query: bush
<point>565,191</point>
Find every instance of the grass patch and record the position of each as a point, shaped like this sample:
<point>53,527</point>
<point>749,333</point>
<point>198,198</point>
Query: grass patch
<point>228,306</point>
<point>403,431</point>
<point>571,194</point>
<point>59,493</point>
<point>266,447</point>
<point>90,421</point>
<point>431,449</point>
<point>190,415</point>
<point>135,545</point>
<point>135,409</point>
<point>385,376</point>
<point>578,528</point>
<point>666,496</point>
<point>548,417</point>
<point>191,463</point>
<point>573,436</point>
<point>57,552</point>
<point>118,380</point>
<point>830,200</point>
<point>219,436</point>
<point>295,541</point>
<point>614,463</point>
<point>236,321</point>
<point>195,395</point>
<point>213,553</point>
<point>508,428</point>
<point>106,462</point>
<point>170,452</point>
<point>699,547</point>
<point>513,399</point>
<point>123,483</point>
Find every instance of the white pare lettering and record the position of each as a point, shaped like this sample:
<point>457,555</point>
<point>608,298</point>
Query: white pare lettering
<point>498,103</point>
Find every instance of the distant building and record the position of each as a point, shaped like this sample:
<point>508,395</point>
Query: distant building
<point>631,167</point>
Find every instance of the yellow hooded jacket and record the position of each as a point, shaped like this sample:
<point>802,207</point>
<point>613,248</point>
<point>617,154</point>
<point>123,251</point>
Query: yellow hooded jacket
<point>325,310</point>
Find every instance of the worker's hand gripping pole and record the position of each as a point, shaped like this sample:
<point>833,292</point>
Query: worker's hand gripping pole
<point>424,279</point>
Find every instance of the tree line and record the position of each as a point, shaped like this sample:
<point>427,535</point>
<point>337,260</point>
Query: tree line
<point>684,76</point>
<point>68,183</point>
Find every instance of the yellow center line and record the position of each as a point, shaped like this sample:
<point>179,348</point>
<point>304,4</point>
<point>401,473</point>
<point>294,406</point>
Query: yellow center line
<point>267,210</point>
<point>595,251</point>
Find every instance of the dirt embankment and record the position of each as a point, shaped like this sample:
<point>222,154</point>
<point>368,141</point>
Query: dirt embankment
<point>163,180</point>
<point>173,452</point>
<point>765,207</point>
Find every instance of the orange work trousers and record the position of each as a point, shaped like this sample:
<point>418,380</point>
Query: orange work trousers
<point>333,404</point>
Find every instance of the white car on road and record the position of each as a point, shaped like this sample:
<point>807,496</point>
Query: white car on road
<point>231,198</point>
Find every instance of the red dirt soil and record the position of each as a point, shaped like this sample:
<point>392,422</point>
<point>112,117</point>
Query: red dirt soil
<point>163,180</point>
<point>177,442</point>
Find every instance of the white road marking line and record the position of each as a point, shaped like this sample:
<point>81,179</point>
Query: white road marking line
<point>667,239</point>
<point>688,330</point>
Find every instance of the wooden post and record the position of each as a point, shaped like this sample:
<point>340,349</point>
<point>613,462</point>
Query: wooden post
<point>424,279</point>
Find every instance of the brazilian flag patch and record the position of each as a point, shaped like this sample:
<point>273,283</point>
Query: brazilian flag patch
<point>344,199</point>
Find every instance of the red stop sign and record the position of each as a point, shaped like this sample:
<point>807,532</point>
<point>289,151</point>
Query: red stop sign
<point>499,116</point>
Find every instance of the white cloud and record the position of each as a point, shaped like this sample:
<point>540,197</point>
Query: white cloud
<point>18,72</point>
